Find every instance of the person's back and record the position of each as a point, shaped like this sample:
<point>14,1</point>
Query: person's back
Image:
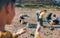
<point>48,17</point>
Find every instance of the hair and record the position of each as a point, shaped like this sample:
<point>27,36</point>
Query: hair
<point>6,2</point>
<point>41,11</point>
<point>54,15</point>
<point>45,10</point>
<point>51,13</point>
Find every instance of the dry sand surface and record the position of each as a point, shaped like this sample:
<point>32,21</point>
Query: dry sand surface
<point>45,32</point>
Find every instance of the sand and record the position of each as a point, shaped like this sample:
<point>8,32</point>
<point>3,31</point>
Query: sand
<point>45,32</point>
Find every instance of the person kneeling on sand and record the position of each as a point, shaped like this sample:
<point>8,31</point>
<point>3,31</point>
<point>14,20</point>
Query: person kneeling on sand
<point>54,20</point>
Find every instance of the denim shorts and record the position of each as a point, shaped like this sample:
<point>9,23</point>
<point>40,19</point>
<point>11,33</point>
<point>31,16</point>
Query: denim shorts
<point>41,21</point>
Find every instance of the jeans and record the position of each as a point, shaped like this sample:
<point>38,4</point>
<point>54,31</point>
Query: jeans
<point>41,21</point>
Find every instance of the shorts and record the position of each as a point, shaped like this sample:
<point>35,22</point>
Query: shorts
<point>56,21</point>
<point>41,21</point>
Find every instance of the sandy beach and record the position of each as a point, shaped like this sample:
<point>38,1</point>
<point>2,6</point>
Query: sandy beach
<point>45,32</point>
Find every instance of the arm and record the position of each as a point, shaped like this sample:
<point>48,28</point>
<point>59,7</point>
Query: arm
<point>19,32</point>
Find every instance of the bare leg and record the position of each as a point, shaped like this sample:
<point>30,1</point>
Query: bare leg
<point>37,34</point>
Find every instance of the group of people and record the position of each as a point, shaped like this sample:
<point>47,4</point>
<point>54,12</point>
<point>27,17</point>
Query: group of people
<point>49,18</point>
<point>42,17</point>
<point>7,13</point>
